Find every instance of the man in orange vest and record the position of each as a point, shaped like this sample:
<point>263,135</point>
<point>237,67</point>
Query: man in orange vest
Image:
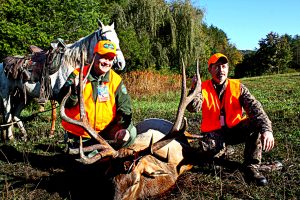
<point>107,102</point>
<point>223,102</point>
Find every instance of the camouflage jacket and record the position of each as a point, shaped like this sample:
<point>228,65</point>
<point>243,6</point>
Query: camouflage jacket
<point>250,105</point>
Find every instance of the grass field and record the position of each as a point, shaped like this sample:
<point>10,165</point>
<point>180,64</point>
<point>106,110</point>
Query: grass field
<point>38,168</point>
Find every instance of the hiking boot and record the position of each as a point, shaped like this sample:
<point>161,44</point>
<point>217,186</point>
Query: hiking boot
<point>252,174</point>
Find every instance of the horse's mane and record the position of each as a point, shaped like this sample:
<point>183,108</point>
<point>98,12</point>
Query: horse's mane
<point>73,52</point>
<point>86,45</point>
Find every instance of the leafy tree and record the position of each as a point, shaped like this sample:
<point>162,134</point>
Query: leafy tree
<point>38,22</point>
<point>139,23</point>
<point>153,34</point>
<point>274,54</point>
<point>165,33</point>
<point>295,47</point>
<point>217,41</point>
<point>247,67</point>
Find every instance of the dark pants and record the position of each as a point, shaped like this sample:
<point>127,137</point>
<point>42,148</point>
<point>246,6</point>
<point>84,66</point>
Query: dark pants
<point>215,143</point>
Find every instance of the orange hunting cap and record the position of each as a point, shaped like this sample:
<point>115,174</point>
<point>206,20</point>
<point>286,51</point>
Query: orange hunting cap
<point>214,58</point>
<point>106,47</point>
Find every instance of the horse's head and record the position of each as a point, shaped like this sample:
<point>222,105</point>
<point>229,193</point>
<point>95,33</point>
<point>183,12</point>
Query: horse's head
<point>105,32</point>
<point>108,32</point>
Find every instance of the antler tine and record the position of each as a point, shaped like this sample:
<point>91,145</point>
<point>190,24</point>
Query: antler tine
<point>197,87</point>
<point>184,101</point>
<point>84,123</point>
<point>183,97</point>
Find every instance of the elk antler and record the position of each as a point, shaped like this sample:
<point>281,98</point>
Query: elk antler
<point>106,149</point>
<point>184,101</point>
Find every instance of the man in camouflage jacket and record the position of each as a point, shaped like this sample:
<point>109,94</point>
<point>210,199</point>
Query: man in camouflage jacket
<point>231,115</point>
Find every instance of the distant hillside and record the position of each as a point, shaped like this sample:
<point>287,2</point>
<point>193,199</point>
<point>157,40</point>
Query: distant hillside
<point>244,52</point>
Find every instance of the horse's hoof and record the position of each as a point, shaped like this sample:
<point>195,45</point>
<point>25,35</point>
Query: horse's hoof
<point>24,138</point>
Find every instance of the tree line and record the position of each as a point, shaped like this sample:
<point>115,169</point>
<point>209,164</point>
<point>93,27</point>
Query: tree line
<point>276,54</point>
<point>154,34</point>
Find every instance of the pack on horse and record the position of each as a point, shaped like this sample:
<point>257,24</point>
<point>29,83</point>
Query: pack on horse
<point>42,73</point>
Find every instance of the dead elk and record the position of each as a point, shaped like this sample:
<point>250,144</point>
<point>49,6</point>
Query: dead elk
<point>153,163</point>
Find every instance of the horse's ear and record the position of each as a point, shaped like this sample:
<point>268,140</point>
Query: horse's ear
<point>112,25</point>
<point>100,24</point>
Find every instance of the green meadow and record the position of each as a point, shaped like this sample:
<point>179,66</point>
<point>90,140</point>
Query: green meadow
<point>32,170</point>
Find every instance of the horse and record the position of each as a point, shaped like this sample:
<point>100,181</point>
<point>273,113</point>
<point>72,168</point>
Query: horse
<point>60,62</point>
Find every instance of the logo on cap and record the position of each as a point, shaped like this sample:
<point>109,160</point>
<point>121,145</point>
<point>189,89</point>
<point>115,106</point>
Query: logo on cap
<point>108,46</point>
<point>105,47</point>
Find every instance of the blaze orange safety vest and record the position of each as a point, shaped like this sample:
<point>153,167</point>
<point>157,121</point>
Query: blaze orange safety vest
<point>99,113</point>
<point>211,106</point>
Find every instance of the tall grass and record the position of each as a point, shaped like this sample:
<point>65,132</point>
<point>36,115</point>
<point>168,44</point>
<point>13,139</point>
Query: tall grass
<point>153,94</point>
<point>143,84</point>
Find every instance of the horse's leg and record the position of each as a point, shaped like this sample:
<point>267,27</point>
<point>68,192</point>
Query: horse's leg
<point>21,127</point>
<point>9,134</point>
<point>1,117</point>
<point>41,107</point>
<point>2,120</point>
<point>17,109</point>
<point>53,112</point>
<point>7,129</point>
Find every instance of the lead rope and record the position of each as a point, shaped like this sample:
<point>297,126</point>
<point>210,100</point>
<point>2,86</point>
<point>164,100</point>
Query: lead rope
<point>32,115</point>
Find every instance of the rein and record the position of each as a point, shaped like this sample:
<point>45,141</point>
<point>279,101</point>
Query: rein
<point>29,117</point>
<point>54,59</point>
<point>102,35</point>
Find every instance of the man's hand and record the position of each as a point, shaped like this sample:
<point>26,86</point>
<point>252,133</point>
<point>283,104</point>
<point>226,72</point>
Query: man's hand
<point>267,140</point>
<point>122,135</point>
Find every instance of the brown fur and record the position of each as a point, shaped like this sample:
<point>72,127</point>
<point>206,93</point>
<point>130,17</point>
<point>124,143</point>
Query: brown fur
<point>151,176</point>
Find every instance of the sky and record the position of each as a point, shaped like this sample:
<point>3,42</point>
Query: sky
<point>245,22</point>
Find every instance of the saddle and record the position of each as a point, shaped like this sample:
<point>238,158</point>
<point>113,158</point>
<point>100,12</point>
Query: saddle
<point>35,49</point>
<point>36,67</point>
<point>26,68</point>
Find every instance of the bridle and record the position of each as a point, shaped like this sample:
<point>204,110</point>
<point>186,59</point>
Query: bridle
<point>102,36</point>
